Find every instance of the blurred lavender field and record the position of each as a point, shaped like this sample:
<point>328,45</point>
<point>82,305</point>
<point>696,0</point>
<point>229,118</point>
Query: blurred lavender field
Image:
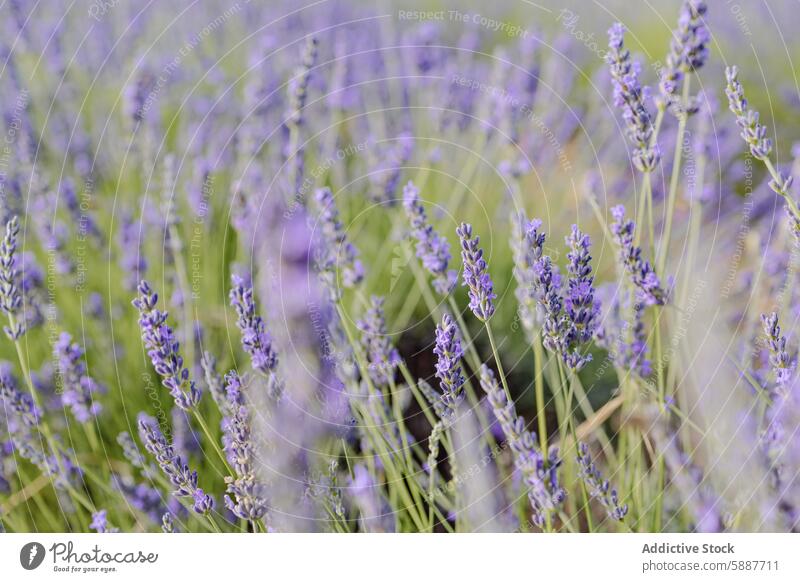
<point>399,266</point>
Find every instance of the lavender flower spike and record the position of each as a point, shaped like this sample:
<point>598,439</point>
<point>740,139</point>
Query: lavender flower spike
<point>527,245</point>
<point>179,474</point>
<point>779,358</point>
<point>599,488</point>
<point>382,357</point>
<point>100,523</point>
<point>78,387</point>
<point>753,133</point>
<point>247,493</point>
<point>581,308</point>
<point>256,341</point>
<point>540,473</point>
<point>642,275</point>
<point>164,349</point>
<point>10,295</point>
<point>630,96</point>
<point>432,248</point>
<point>334,248</point>
<point>688,52</point>
<point>476,277</point>
<point>448,366</point>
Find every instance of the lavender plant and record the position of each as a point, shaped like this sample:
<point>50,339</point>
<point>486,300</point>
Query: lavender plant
<point>354,386</point>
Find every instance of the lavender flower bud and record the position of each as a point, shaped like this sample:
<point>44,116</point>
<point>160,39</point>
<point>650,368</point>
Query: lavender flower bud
<point>247,499</point>
<point>10,297</point>
<point>179,474</point>
<point>782,364</point>
<point>688,52</point>
<point>166,523</point>
<point>448,366</point>
<point>256,341</point>
<point>432,249</point>
<point>629,95</point>
<point>599,488</point>
<point>164,349</point>
<point>642,275</point>
<point>475,275</point>
<point>78,387</point>
<point>527,245</point>
<point>334,250</point>
<point>539,472</point>
<point>382,357</point>
<point>581,308</point>
<point>100,523</point>
<point>753,133</point>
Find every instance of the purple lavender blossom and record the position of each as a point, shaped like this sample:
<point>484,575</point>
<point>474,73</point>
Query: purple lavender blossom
<point>539,472</point>
<point>432,248</point>
<point>630,96</point>
<point>247,495</point>
<point>100,523</point>
<point>782,364</point>
<point>581,308</point>
<point>79,388</point>
<point>164,349</point>
<point>688,52</point>
<point>547,287</point>
<point>334,250</point>
<point>527,245</point>
<point>382,357</point>
<point>179,474</point>
<point>166,523</point>
<point>22,425</point>
<point>753,133</point>
<point>10,296</point>
<point>642,275</point>
<point>142,497</point>
<point>256,341</point>
<point>598,487</point>
<point>448,366</point>
<point>475,274</point>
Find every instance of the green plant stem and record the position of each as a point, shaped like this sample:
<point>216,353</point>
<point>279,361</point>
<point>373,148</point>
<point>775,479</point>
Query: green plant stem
<point>496,355</point>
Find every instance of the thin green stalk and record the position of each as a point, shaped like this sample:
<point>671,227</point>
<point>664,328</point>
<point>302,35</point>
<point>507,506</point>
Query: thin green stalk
<point>673,182</point>
<point>496,355</point>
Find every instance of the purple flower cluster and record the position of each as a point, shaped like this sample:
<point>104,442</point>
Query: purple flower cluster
<point>569,315</point>
<point>527,245</point>
<point>782,364</point>
<point>10,296</point>
<point>382,357</point>
<point>78,387</point>
<point>164,349</point>
<point>540,472</point>
<point>22,422</point>
<point>476,275</point>
<point>432,248</point>
<point>642,274</point>
<point>630,96</point>
<point>581,307</point>
<point>448,366</point>
<point>598,487</point>
<point>334,249</point>
<point>247,495</point>
<point>100,523</point>
<point>179,474</point>
<point>753,133</point>
<point>688,52</point>
<point>256,341</point>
